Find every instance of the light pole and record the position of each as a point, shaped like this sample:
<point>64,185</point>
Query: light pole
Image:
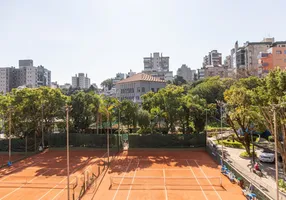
<point>276,157</point>
<point>118,134</point>
<point>220,104</point>
<point>68,155</point>
<point>10,122</point>
<point>43,145</point>
<point>107,136</point>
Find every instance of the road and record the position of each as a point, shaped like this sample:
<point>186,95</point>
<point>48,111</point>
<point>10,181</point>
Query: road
<point>267,182</point>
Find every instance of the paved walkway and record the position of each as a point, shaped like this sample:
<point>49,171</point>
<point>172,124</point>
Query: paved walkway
<point>266,183</point>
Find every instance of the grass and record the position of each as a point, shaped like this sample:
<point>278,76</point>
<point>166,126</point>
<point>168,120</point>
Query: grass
<point>231,144</point>
<point>244,154</point>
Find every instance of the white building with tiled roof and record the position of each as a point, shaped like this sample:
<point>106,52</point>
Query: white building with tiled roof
<point>133,87</point>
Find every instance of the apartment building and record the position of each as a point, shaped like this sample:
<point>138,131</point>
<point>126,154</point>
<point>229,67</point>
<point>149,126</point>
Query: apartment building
<point>186,72</point>
<point>81,81</point>
<point>213,58</point>
<point>220,71</point>
<point>274,57</point>
<point>133,87</point>
<point>158,66</point>
<point>26,75</point>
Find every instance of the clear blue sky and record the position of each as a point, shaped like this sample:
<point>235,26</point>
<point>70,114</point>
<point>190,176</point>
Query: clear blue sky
<point>103,37</point>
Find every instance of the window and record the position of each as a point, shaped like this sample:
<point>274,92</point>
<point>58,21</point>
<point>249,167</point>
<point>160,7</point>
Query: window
<point>152,89</point>
<point>278,52</point>
<point>284,51</point>
<point>138,89</point>
<point>143,89</point>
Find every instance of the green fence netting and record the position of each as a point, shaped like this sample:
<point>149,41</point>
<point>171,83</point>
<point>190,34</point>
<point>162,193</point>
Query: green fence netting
<point>135,141</point>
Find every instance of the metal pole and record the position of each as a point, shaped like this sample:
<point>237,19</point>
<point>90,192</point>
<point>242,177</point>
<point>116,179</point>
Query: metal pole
<point>276,156</point>
<point>118,134</point>
<point>253,158</point>
<point>107,137</point>
<point>10,119</point>
<point>222,154</point>
<point>68,156</point>
<point>43,126</point>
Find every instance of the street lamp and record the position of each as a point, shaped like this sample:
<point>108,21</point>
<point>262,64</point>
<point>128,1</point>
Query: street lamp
<point>68,108</point>
<point>43,145</point>
<point>221,104</point>
<point>10,124</point>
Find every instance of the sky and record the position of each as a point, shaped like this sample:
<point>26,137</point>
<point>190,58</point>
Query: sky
<point>104,37</point>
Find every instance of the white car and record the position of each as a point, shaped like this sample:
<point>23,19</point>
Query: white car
<point>267,157</point>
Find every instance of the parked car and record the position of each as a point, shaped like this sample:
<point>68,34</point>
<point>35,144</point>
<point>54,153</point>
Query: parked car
<point>268,156</point>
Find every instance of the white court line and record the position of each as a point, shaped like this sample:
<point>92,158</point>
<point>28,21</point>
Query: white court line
<point>10,172</point>
<point>197,179</point>
<point>122,180</point>
<point>63,189</point>
<point>208,180</point>
<point>132,181</point>
<point>166,193</point>
<point>23,185</point>
<point>62,180</point>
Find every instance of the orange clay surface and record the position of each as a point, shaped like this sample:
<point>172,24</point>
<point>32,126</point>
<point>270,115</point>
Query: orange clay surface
<point>4,158</point>
<point>43,176</point>
<point>195,165</point>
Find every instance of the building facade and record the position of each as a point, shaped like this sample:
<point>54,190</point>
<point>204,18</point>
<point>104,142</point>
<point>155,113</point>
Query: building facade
<point>26,75</point>
<point>158,66</point>
<point>214,58</point>
<point>211,71</point>
<point>186,72</point>
<point>81,81</point>
<point>273,58</point>
<point>133,87</point>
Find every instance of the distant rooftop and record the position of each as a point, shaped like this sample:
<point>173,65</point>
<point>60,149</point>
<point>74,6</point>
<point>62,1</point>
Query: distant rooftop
<point>141,77</point>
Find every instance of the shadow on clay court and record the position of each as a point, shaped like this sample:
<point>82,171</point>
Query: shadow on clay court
<point>144,159</point>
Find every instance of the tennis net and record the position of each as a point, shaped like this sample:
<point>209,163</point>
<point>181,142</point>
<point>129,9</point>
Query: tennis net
<point>165,181</point>
<point>48,182</point>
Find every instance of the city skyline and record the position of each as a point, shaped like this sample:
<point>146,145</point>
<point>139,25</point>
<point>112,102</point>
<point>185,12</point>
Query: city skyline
<point>104,38</point>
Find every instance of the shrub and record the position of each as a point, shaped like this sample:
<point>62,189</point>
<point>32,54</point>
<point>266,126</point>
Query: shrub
<point>244,154</point>
<point>229,143</point>
<point>282,185</point>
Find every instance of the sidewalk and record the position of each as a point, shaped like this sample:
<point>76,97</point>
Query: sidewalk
<point>266,183</point>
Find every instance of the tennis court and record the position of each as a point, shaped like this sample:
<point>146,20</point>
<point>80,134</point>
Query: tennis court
<point>166,175</point>
<point>43,176</point>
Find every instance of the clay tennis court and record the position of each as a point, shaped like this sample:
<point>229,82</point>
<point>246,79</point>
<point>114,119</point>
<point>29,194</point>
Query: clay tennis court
<point>43,176</point>
<point>166,175</point>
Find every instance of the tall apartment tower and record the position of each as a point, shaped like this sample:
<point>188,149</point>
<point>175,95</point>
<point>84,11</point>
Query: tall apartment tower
<point>26,75</point>
<point>156,62</point>
<point>214,58</point>
<point>186,72</point>
<point>80,81</point>
<point>157,66</point>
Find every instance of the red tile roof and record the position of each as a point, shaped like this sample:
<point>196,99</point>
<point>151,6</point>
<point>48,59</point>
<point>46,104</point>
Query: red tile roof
<point>141,77</point>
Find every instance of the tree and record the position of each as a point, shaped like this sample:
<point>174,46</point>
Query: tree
<point>241,115</point>
<point>143,119</point>
<point>271,95</point>
<point>129,112</point>
<point>82,110</point>
<point>179,81</point>
<point>108,83</point>
<point>211,89</point>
